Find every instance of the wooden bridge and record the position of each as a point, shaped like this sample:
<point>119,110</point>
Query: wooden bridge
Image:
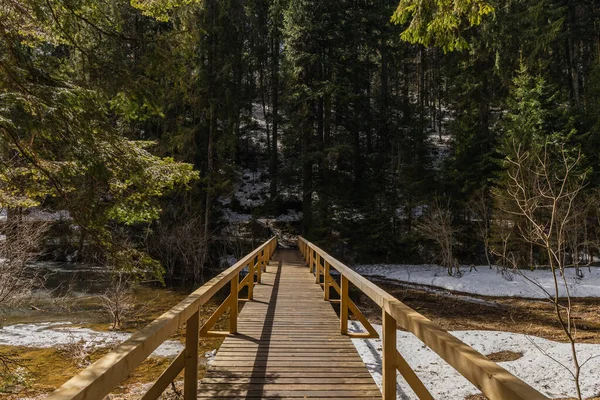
<point>288,341</point>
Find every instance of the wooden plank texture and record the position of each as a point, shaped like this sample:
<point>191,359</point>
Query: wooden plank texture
<point>288,344</point>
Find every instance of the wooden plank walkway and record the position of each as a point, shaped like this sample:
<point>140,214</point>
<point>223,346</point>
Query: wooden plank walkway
<point>288,344</point>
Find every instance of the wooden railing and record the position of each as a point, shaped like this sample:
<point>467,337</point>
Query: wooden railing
<point>100,378</point>
<point>494,381</point>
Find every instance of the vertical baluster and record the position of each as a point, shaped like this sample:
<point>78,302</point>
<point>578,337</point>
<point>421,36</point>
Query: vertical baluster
<point>344,305</point>
<point>190,378</point>
<point>318,269</point>
<point>389,357</point>
<point>261,256</point>
<point>251,280</point>
<point>326,278</point>
<point>233,313</point>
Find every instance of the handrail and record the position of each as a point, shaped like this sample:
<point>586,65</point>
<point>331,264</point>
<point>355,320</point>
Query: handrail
<point>100,378</point>
<point>494,381</point>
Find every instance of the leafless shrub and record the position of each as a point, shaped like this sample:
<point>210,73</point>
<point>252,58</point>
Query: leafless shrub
<point>117,300</point>
<point>436,225</point>
<point>544,189</point>
<point>20,245</point>
<point>124,267</point>
<point>481,210</point>
<point>77,350</point>
<point>183,246</point>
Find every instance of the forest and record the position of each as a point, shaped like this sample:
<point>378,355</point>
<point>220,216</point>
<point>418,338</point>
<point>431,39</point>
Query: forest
<point>378,122</point>
<point>161,140</point>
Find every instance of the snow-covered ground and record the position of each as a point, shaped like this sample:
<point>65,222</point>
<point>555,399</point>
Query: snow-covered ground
<point>489,282</point>
<point>36,214</point>
<point>53,334</point>
<point>536,367</point>
<point>252,189</point>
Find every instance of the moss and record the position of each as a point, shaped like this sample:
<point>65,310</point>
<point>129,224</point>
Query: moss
<point>46,368</point>
<point>49,368</point>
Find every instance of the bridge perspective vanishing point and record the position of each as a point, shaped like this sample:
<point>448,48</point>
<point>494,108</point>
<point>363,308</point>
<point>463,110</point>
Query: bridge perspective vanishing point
<point>288,341</point>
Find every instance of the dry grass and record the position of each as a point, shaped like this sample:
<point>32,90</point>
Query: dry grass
<point>504,355</point>
<point>49,368</point>
<point>531,317</point>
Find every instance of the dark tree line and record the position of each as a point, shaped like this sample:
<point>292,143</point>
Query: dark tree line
<point>106,107</point>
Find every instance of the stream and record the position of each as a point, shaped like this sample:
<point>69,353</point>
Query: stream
<point>67,311</point>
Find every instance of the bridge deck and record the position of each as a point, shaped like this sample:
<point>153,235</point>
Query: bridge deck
<point>289,344</point>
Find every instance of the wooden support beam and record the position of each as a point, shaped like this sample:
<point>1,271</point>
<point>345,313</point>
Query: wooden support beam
<point>326,279</point>
<point>318,269</point>
<point>233,312</point>
<point>244,282</point>
<point>372,333</point>
<point>261,263</point>
<point>251,270</point>
<point>210,322</point>
<point>165,378</point>
<point>344,306</point>
<point>190,377</point>
<point>216,334</point>
<point>411,378</point>
<point>388,369</point>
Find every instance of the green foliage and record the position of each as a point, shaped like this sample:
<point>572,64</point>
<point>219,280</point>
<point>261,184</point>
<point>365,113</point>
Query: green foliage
<point>65,124</point>
<point>161,10</point>
<point>440,22</point>
<point>114,109</point>
<point>525,118</point>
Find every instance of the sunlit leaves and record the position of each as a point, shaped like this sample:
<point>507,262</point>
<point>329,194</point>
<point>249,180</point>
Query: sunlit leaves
<point>67,111</point>
<point>440,23</point>
<point>161,10</point>
<point>134,107</point>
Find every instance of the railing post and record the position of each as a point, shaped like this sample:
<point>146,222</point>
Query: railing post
<point>233,312</point>
<point>388,388</point>
<point>261,259</point>
<point>326,278</point>
<point>190,378</point>
<point>251,280</point>
<point>310,260</point>
<point>318,269</point>
<point>344,305</point>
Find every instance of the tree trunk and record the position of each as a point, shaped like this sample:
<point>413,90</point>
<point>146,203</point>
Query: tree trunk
<point>307,166</point>
<point>275,109</point>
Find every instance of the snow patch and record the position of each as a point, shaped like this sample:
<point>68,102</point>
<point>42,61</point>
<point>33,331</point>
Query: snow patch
<point>489,282</point>
<point>234,217</point>
<point>535,368</point>
<point>52,334</point>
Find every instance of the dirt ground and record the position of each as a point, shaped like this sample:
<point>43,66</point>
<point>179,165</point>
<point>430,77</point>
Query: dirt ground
<point>528,316</point>
<point>35,381</point>
<point>454,311</point>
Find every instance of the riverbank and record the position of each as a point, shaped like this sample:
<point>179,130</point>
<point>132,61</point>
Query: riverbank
<point>50,339</point>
